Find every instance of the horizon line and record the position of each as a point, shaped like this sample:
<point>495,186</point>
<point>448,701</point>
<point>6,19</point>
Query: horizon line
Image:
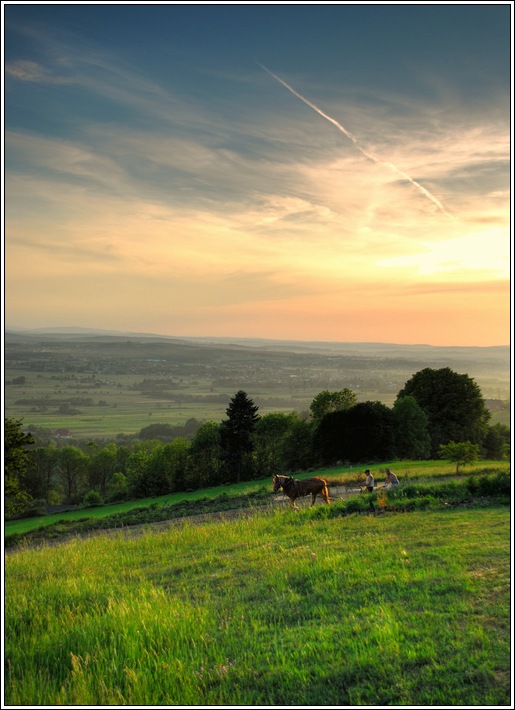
<point>77,330</point>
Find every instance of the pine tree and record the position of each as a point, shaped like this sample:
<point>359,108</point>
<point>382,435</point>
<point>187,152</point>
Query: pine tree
<point>236,436</point>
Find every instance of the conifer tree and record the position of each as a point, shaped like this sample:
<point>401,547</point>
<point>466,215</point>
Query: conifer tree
<point>236,436</point>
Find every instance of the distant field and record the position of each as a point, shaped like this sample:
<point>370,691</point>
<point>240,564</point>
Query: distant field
<point>114,407</point>
<point>104,386</point>
<point>277,608</point>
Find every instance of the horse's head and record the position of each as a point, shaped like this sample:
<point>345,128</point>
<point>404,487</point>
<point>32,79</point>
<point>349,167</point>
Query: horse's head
<point>278,482</point>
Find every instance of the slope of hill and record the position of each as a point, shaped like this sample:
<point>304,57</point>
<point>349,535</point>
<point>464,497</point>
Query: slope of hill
<point>274,609</point>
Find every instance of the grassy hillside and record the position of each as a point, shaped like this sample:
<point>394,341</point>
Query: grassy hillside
<point>274,608</point>
<point>407,471</point>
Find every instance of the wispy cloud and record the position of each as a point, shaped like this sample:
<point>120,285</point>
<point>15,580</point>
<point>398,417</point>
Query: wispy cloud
<point>366,153</point>
<point>26,70</point>
<point>222,211</point>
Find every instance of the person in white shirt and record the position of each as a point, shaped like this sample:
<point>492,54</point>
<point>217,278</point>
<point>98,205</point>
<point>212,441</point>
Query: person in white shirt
<point>369,481</point>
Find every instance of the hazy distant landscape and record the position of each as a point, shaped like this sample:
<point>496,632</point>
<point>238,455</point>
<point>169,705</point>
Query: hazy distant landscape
<point>102,383</point>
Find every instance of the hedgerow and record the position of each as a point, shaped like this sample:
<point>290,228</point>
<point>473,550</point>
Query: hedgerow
<point>409,497</point>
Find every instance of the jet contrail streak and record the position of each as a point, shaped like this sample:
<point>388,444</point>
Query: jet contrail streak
<point>349,135</point>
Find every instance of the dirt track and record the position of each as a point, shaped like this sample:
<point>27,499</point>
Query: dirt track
<point>279,499</point>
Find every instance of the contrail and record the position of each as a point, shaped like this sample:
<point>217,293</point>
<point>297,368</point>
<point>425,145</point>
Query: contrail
<point>355,142</point>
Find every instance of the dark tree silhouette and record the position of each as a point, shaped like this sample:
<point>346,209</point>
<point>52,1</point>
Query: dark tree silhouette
<point>361,433</point>
<point>236,436</point>
<point>497,442</point>
<point>453,403</point>
<point>412,440</point>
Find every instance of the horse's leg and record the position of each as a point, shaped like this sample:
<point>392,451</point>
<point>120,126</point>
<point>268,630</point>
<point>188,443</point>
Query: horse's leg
<point>313,498</point>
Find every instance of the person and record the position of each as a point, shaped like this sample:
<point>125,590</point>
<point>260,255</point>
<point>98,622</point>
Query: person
<point>391,479</point>
<point>369,481</point>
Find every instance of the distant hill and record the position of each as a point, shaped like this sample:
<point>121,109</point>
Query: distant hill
<point>70,333</point>
<point>490,364</point>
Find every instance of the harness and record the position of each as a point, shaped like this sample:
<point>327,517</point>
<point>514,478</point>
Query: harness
<point>288,484</point>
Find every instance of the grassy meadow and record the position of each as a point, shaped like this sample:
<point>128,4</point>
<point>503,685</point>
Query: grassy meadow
<point>274,608</point>
<point>407,471</point>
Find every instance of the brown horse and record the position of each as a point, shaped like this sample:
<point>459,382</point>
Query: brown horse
<point>298,489</point>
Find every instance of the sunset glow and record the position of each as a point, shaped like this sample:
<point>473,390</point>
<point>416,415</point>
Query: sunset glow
<point>159,179</point>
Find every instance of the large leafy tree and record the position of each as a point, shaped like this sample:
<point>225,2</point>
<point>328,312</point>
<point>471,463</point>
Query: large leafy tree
<point>71,469</point>
<point>412,440</point>
<point>369,433</point>
<point>453,403</point>
<point>270,433</point>
<point>205,456</point>
<point>137,479</point>
<point>297,445</point>
<point>327,401</point>
<point>497,442</point>
<point>16,460</point>
<point>236,436</point>
<point>362,433</point>
<point>174,460</point>
<point>41,471</point>
<point>101,466</point>
<point>16,456</point>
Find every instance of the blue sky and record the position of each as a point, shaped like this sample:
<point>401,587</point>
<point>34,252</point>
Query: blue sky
<point>160,179</point>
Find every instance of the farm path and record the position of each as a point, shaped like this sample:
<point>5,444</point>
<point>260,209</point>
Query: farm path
<point>336,492</point>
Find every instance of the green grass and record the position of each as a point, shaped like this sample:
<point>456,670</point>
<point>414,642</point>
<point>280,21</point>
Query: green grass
<point>408,471</point>
<point>27,524</point>
<point>277,608</point>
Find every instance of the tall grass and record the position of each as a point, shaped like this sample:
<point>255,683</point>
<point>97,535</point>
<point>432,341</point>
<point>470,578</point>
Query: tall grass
<point>278,608</point>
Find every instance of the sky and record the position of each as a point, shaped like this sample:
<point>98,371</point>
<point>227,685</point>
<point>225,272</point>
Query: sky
<point>330,172</point>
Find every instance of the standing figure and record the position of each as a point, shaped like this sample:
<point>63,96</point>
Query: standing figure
<point>369,481</point>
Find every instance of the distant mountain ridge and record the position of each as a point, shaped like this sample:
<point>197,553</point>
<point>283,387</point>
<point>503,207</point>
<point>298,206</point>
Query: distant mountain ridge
<point>253,342</point>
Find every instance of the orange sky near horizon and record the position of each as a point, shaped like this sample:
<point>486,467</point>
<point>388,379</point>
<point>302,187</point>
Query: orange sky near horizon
<point>216,281</point>
<point>188,191</point>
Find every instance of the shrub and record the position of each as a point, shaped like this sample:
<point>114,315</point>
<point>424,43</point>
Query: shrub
<point>356,505</point>
<point>473,484</point>
<point>36,508</point>
<point>92,499</point>
<point>498,484</point>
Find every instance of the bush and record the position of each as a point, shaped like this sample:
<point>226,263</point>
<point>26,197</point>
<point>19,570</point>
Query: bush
<point>472,484</point>
<point>356,505</point>
<point>116,497</point>
<point>35,508</point>
<point>92,499</point>
<point>498,484</point>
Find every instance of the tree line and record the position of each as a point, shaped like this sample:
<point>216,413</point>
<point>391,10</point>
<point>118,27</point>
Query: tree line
<point>435,411</point>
